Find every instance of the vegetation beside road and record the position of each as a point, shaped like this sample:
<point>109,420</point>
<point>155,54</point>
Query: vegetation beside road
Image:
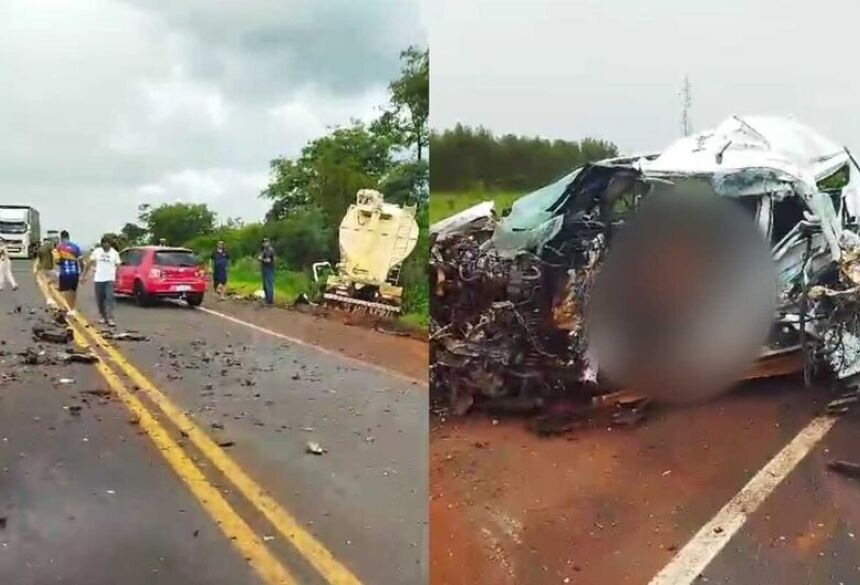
<point>472,165</point>
<point>310,194</point>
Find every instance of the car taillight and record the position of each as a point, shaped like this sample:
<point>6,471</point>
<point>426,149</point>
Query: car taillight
<point>155,273</point>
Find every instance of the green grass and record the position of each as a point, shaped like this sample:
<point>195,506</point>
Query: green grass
<point>244,279</point>
<point>446,204</point>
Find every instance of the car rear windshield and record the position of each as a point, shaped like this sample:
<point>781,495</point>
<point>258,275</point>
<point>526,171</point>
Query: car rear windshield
<point>175,258</point>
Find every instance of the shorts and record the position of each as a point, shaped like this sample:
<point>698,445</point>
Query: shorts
<point>68,282</point>
<point>219,279</point>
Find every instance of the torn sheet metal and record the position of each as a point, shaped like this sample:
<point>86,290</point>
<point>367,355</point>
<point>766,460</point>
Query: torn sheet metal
<point>507,317</point>
<point>458,222</point>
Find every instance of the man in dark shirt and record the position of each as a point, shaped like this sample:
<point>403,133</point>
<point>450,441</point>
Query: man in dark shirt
<point>267,268</point>
<point>220,262</point>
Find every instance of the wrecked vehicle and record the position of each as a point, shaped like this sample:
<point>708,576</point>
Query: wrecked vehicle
<point>507,319</point>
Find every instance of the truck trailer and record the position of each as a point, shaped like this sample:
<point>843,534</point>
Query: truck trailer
<point>19,228</point>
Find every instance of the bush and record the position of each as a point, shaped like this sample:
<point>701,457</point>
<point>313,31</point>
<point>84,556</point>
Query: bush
<point>302,239</point>
<point>299,241</point>
<point>413,277</point>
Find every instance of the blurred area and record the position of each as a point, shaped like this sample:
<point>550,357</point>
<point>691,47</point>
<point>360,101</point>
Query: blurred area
<point>684,301</point>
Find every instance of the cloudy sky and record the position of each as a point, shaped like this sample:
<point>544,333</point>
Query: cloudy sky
<point>573,68</point>
<point>106,104</point>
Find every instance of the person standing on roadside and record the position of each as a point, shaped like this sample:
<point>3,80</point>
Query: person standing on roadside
<point>69,264</point>
<point>6,267</point>
<point>220,262</point>
<point>46,260</point>
<point>105,258</point>
<point>267,269</point>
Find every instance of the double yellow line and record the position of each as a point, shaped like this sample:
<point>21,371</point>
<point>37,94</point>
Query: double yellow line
<point>267,566</point>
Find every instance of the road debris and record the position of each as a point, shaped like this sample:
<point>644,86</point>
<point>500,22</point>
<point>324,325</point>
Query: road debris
<point>846,468</point>
<point>65,381</point>
<point>72,355</point>
<point>124,335</point>
<point>53,333</point>
<point>841,405</point>
<point>32,357</point>
<point>314,448</point>
<point>508,318</point>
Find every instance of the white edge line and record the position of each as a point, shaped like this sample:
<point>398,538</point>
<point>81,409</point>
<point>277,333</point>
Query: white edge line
<point>686,566</point>
<point>352,360</point>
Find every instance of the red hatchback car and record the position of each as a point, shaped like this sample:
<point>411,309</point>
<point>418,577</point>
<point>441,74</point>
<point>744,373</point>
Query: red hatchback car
<point>148,273</point>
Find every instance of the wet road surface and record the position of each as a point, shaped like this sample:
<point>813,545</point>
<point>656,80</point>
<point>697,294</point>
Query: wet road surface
<point>605,505</point>
<point>261,400</point>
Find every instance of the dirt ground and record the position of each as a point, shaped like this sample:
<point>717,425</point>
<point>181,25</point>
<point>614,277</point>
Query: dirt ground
<point>603,505</point>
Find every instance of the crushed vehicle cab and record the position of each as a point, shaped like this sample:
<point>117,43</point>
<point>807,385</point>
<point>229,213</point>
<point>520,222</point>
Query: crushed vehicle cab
<point>507,321</point>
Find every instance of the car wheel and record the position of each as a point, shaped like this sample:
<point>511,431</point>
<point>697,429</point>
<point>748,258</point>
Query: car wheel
<point>195,300</point>
<point>140,295</point>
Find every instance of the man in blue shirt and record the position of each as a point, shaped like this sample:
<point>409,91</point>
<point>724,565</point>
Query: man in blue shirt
<point>220,262</point>
<point>69,269</point>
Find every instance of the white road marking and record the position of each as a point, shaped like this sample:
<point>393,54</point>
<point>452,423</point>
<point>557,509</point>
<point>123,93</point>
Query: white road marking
<point>688,564</point>
<point>352,360</point>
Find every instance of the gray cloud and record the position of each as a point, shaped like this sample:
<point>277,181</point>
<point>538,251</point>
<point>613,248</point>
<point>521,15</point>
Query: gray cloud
<point>339,45</point>
<point>614,69</point>
<point>106,104</point>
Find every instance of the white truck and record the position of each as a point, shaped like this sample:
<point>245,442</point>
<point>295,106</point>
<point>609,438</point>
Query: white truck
<point>19,228</point>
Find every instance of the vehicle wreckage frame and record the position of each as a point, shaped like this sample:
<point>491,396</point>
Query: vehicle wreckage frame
<point>507,329</point>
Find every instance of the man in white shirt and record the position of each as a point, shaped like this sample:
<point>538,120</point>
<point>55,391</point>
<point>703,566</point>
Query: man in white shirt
<point>6,267</point>
<point>105,259</point>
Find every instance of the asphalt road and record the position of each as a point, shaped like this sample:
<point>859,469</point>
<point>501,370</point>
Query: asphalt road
<point>97,497</point>
<point>604,505</point>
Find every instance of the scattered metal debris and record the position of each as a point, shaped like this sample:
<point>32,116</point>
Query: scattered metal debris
<point>73,355</point>
<point>846,468</point>
<point>124,335</point>
<point>53,333</point>
<point>314,448</point>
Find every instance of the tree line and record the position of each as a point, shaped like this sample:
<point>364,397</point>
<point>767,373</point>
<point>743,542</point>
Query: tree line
<point>474,159</point>
<point>310,192</point>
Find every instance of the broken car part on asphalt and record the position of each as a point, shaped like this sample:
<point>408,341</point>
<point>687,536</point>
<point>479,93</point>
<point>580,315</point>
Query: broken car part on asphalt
<point>508,319</point>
